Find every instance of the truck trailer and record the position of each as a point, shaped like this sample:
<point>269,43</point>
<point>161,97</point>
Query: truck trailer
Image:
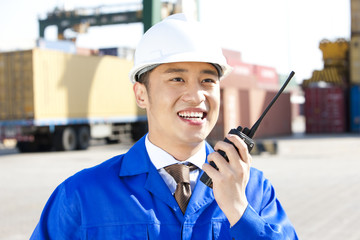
<point>55,100</point>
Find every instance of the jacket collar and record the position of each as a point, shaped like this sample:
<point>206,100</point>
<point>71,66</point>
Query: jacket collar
<point>202,195</point>
<point>136,160</point>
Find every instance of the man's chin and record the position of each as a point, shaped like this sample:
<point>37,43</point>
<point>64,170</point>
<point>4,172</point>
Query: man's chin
<point>195,138</point>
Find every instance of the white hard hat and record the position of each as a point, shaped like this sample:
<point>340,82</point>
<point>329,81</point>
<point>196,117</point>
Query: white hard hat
<point>177,39</point>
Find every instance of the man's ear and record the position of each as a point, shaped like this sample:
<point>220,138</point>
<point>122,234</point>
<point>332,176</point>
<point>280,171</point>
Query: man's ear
<point>141,95</point>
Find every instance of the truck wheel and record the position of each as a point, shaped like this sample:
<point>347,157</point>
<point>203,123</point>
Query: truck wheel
<point>27,146</point>
<point>138,129</point>
<point>65,139</point>
<point>111,141</point>
<point>83,138</point>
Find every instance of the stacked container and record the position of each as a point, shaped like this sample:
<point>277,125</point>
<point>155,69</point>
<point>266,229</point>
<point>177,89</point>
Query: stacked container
<point>325,110</point>
<point>354,99</point>
<point>355,108</point>
<point>245,93</point>
<point>326,91</point>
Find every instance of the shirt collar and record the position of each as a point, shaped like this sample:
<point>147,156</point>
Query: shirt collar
<point>161,158</point>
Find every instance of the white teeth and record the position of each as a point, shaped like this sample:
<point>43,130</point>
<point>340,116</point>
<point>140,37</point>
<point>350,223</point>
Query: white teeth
<point>191,114</point>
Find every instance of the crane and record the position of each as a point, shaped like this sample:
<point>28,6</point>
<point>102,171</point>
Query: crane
<point>79,20</point>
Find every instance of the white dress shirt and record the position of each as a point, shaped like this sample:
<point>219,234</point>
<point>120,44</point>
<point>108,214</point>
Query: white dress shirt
<point>161,159</point>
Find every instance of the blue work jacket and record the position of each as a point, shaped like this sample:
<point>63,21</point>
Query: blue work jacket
<point>126,198</point>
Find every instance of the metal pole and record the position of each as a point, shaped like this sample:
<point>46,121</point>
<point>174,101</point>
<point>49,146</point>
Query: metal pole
<point>151,13</point>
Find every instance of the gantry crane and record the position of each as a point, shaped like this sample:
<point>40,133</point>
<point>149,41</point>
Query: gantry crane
<point>79,20</point>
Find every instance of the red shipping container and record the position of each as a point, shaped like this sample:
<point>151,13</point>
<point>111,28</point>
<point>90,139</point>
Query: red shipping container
<point>266,76</point>
<point>242,69</point>
<point>244,107</point>
<point>231,54</point>
<point>87,51</point>
<point>241,77</point>
<point>325,110</point>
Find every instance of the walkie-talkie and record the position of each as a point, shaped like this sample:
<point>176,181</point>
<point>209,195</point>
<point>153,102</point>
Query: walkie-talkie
<point>245,134</point>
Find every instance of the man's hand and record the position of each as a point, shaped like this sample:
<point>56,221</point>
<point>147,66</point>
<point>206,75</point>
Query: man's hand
<point>229,183</point>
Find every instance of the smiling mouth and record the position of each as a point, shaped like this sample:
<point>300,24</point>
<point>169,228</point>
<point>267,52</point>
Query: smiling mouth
<point>192,115</point>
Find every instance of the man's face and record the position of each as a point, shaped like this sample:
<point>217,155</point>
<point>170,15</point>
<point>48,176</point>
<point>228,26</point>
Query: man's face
<point>182,103</point>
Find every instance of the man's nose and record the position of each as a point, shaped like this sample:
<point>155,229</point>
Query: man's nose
<point>194,94</point>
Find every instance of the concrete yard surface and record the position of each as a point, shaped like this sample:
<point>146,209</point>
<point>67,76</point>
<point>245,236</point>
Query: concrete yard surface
<point>316,178</point>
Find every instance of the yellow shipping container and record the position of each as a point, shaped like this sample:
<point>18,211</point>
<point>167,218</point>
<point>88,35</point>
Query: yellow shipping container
<point>16,85</point>
<point>355,17</point>
<point>44,84</point>
<point>51,99</point>
<point>334,50</point>
<point>355,60</point>
<point>331,75</point>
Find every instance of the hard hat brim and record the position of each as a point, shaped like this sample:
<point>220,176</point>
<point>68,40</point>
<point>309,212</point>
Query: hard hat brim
<point>226,69</point>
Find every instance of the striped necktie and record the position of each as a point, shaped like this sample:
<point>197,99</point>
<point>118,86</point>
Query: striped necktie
<point>181,174</point>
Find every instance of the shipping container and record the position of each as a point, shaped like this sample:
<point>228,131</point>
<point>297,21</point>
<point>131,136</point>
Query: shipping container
<point>336,50</point>
<point>330,75</point>
<point>267,77</point>
<point>242,69</point>
<point>243,107</point>
<point>47,95</point>
<point>325,109</point>
<point>355,60</point>
<point>59,45</point>
<point>355,17</point>
<point>278,120</point>
<point>108,51</point>
<point>245,75</point>
<point>231,55</point>
<point>355,108</point>
<point>87,51</point>
<point>241,77</point>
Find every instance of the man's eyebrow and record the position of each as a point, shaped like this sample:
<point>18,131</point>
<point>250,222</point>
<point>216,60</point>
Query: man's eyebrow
<point>175,70</point>
<point>211,72</point>
<point>181,70</point>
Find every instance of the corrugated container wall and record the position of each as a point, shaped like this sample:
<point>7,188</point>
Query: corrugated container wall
<point>325,110</point>
<point>267,76</point>
<point>355,60</point>
<point>244,106</point>
<point>46,84</point>
<point>355,108</point>
<point>355,17</point>
<point>16,85</point>
<point>334,53</point>
<point>245,93</point>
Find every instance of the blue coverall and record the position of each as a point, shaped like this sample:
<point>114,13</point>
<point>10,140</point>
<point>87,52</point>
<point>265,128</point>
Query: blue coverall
<point>126,198</point>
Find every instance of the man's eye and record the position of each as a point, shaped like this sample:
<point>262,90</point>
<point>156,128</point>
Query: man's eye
<point>177,80</point>
<point>209,80</point>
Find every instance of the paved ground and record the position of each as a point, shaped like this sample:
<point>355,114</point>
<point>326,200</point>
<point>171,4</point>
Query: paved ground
<point>316,178</point>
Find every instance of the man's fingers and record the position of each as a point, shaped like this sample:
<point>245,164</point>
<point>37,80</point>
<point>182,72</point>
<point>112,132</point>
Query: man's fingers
<point>219,161</point>
<point>237,154</point>
<point>241,146</point>
<point>228,148</point>
<point>234,155</point>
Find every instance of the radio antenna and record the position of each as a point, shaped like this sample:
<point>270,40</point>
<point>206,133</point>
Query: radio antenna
<point>256,125</point>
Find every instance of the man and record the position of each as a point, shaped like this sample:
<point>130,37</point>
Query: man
<point>137,195</point>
